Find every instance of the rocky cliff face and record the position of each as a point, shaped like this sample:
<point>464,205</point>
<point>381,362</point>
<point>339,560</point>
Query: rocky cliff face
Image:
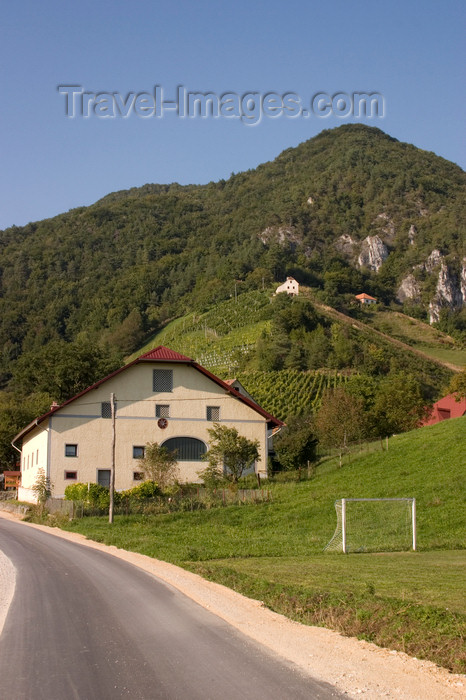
<point>373,253</point>
<point>409,289</point>
<point>463,281</point>
<point>345,244</point>
<point>283,235</point>
<point>450,292</point>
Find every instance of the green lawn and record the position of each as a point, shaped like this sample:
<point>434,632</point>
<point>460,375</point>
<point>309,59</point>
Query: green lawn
<point>411,577</point>
<point>273,551</point>
<point>455,356</point>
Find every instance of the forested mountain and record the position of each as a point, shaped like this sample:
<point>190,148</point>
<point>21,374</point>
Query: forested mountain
<point>350,210</point>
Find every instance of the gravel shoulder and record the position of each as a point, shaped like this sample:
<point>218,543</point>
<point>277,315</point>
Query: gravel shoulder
<point>358,668</point>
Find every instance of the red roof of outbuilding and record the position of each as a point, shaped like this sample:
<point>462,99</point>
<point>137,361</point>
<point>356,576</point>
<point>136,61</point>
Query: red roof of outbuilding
<point>445,408</point>
<point>158,354</point>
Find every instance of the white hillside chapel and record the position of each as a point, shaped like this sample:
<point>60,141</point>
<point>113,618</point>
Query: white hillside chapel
<point>291,286</point>
<point>161,397</point>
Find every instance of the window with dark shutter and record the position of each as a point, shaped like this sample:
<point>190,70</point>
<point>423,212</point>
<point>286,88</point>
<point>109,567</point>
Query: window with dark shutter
<point>106,409</point>
<point>103,477</point>
<point>213,413</point>
<point>162,410</point>
<point>162,380</point>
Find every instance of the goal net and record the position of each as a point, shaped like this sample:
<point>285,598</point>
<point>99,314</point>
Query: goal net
<point>374,525</point>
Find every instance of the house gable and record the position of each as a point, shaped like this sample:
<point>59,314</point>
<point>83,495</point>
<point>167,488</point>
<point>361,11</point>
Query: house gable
<point>158,355</point>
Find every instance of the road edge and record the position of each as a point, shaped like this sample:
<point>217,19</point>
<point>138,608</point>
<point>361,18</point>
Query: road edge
<point>351,665</point>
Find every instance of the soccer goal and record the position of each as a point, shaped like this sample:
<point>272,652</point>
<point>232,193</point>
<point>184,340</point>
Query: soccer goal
<point>374,525</point>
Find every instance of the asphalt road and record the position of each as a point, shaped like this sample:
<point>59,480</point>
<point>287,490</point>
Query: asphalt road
<point>86,625</point>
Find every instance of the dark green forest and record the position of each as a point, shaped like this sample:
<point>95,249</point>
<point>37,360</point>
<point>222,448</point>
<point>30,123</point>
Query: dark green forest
<point>88,287</point>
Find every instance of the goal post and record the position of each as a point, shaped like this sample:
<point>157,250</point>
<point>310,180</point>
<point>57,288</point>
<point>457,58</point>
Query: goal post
<point>374,525</point>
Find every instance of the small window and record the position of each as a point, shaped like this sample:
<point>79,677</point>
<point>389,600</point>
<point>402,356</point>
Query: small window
<point>106,409</point>
<point>162,410</point>
<point>103,477</point>
<point>138,452</point>
<point>71,450</point>
<point>213,413</point>
<point>37,457</point>
<point>162,380</point>
<point>71,475</point>
<point>138,476</point>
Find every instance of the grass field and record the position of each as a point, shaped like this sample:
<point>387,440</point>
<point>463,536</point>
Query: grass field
<point>454,356</point>
<point>273,551</point>
<point>419,335</point>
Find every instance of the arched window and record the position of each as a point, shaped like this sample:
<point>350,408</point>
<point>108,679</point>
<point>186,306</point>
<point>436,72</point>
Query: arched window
<point>186,449</point>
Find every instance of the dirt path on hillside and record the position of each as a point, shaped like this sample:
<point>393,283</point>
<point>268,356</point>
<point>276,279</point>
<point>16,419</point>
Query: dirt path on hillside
<point>365,328</point>
<point>357,668</point>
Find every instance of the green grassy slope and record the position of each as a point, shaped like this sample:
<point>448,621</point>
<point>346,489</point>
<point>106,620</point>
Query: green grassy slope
<point>428,464</point>
<point>273,551</point>
<point>419,335</point>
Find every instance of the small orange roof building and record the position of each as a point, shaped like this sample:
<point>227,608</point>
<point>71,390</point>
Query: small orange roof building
<point>366,298</point>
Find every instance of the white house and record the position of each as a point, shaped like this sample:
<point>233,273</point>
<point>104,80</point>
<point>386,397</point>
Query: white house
<point>160,397</point>
<point>291,286</point>
<point>365,299</point>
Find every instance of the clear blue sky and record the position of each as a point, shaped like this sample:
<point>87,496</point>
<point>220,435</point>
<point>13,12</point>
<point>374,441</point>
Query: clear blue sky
<point>410,51</point>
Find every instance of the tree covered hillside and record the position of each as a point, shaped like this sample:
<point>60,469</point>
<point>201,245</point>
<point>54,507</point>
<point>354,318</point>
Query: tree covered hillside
<point>112,272</point>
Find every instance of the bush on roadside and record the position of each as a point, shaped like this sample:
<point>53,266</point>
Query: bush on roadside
<point>93,495</point>
<point>148,489</point>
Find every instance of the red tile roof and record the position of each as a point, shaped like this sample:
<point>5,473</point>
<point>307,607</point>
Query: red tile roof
<point>164,355</point>
<point>158,354</point>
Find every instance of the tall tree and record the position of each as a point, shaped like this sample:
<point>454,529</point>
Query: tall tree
<point>340,419</point>
<point>296,443</point>
<point>399,405</point>
<point>15,414</point>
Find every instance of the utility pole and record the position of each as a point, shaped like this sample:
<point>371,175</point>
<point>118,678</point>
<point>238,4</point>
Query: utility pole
<point>112,467</point>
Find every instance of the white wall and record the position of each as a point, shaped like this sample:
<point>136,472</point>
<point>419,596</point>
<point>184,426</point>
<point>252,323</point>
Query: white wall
<point>80,423</point>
